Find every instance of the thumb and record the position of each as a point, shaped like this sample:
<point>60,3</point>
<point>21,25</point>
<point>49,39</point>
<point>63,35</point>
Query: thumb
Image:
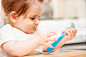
<point>48,45</point>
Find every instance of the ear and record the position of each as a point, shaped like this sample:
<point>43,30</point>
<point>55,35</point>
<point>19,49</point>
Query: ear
<point>13,16</point>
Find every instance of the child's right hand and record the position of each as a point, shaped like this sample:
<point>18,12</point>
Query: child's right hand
<point>43,38</point>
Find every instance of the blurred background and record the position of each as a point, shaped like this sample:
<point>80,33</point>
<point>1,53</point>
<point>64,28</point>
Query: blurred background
<point>64,9</point>
<point>57,14</point>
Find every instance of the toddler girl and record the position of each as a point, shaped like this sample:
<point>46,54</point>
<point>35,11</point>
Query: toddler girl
<point>19,37</point>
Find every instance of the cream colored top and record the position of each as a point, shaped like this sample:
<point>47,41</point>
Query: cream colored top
<point>7,33</point>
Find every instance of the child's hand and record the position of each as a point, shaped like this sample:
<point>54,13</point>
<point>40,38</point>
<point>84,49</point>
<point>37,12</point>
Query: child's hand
<point>71,33</point>
<point>43,38</point>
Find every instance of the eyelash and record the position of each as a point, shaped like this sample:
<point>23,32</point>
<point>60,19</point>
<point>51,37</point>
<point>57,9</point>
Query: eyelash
<point>33,18</point>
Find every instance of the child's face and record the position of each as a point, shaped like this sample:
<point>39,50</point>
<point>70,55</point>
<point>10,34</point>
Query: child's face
<point>30,23</point>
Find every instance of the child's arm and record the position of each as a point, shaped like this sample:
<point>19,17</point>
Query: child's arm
<point>70,35</point>
<point>21,48</point>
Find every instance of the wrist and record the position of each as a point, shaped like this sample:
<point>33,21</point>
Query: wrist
<point>64,41</point>
<point>36,40</point>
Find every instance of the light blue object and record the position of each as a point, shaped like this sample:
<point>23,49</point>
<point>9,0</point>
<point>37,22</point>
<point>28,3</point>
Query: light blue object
<point>71,25</point>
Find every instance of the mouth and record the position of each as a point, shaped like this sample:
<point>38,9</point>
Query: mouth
<point>34,29</point>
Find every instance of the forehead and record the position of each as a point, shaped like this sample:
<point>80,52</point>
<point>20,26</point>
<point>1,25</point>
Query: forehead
<point>35,9</point>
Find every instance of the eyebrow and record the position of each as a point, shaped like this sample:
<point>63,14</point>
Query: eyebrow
<point>33,15</point>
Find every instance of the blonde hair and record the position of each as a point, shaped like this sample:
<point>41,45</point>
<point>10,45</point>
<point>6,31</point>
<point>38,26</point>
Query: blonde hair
<point>19,6</point>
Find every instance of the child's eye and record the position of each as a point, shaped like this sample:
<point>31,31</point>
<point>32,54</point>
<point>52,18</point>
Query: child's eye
<point>32,18</point>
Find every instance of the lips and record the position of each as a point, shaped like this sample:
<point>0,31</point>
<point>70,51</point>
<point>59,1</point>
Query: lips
<point>33,27</point>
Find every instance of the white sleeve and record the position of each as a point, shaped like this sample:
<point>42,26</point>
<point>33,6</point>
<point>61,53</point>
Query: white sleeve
<point>6,35</point>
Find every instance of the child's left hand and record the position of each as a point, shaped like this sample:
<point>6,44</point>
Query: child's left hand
<point>71,33</point>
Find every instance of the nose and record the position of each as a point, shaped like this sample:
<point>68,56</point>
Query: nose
<point>36,22</point>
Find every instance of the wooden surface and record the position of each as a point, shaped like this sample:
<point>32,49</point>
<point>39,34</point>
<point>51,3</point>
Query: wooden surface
<point>65,53</point>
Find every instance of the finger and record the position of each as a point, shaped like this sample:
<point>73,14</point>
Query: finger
<point>51,34</point>
<point>71,31</point>
<point>75,31</point>
<point>48,45</point>
<point>68,34</point>
<point>51,39</point>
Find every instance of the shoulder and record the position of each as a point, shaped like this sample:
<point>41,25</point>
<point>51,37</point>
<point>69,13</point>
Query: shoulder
<point>6,34</point>
<point>6,29</point>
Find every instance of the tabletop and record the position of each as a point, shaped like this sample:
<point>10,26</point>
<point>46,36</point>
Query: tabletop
<point>65,53</point>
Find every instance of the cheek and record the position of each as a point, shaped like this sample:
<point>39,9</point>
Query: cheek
<point>30,26</point>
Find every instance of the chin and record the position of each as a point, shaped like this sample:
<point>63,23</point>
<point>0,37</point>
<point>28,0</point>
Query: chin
<point>31,32</point>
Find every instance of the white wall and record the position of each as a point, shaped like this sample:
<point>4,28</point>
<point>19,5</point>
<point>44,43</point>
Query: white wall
<point>69,8</point>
